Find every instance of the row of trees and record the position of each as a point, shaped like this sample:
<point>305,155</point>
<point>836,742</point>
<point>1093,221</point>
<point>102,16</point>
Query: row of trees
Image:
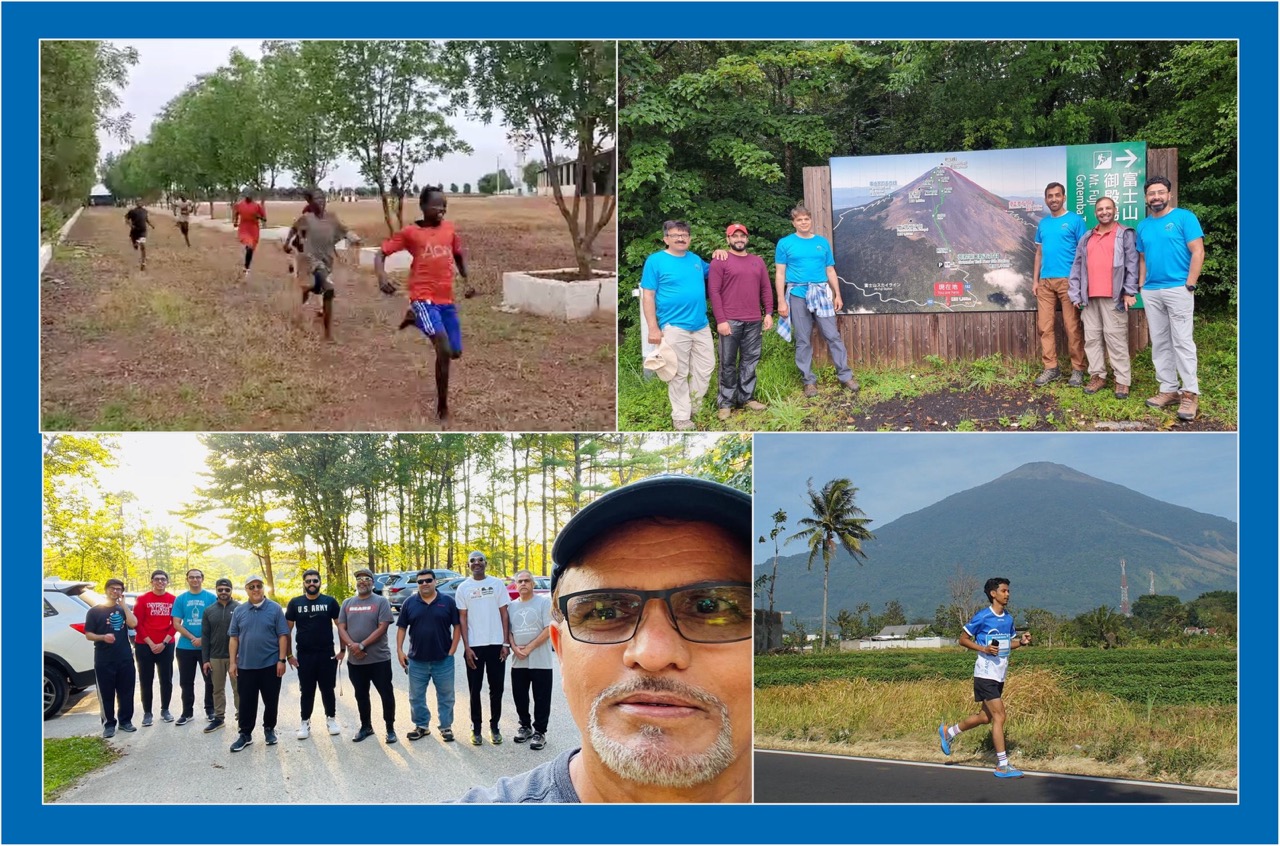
<point>390,502</point>
<point>715,131</point>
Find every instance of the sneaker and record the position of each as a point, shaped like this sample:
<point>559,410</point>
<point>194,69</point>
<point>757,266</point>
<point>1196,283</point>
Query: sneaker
<point>446,735</point>
<point>1076,380</point>
<point>209,715</point>
<point>108,731</point>
<point>851,385</point>
<point>1189,407</point>
<point>1050,374</point>
<point>1096,383</point>
<point>1164,399</point>
<point>214,725</point>
<point>363,734</point>
<point>476,739</point>
<point>755,405</point>
<point>184,719</point>
<point>128,727</point>
<point>684,426</point>
<point>1122,391</point>
<point>724,413</point>
<point>165,715</point>
<point>537,741</point>
<point>811,391</point>
<point>334,728</point>
<point>1007,772</point>
<point>522,734</point>
<point>496,737</point>
<point>943,740</point>
<point>241,742</point>
<point>418,733</point>
<point>270,735</point>
<point>391,737</point>
<point>146,720</point>
<point>304,731</point>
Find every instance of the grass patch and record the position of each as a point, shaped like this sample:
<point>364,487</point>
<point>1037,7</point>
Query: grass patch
<point>71,758</point>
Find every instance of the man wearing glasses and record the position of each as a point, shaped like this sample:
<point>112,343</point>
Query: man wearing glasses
<point>431,621</point>
<point>531,660</point>
<point>486,636</point>
<point>153,645</point>
<point>188,622</point>
<point>362,627</point>
<point>314,614</point>
<point>259,646</point>
<point>215,653</point>
<point>651,590</point>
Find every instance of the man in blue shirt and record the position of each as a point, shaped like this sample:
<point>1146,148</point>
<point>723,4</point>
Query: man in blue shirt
<point>809,292</point>
<point>188,621</point>
<point>1170,255</point>
<point>259,656</point>
<point>673,301</point>
<point>1056,239</point>
<point>431,621</point>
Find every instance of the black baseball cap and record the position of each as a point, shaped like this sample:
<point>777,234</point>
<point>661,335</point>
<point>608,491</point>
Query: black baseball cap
<point>666,495</point>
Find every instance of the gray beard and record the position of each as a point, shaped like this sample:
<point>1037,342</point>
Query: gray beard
<point>647,758</point>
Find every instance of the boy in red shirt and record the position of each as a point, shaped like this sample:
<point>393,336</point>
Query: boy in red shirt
<point>154,644</point>
<point>434,244</point>
<point>245,216</point>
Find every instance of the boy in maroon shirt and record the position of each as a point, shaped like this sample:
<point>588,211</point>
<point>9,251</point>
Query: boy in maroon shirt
<point>739,288</point>
<point>154,644</point>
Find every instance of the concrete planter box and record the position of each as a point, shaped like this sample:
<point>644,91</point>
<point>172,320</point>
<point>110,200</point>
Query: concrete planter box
<point>394,263</point>
<point>562,300</point>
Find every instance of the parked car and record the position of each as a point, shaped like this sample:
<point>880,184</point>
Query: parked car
<point>450,586</point>
<point>380,580</point>
<point>404,585</point>
<point>541,586</point>
<point>68,654</point>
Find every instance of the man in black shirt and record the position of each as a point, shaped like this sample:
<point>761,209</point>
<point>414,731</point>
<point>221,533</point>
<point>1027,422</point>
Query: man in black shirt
<point>138,222</point>
<point>108,627</point>
<point>312,656</point>
<point>215,653</point>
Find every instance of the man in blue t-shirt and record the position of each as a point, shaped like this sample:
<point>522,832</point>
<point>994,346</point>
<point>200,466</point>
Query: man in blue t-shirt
<point>992,635</point>
<point>1056,239</point>
<point>809,292</point>
<point>673,301</point>
<point>1170,254</point>
<point>188,622</point>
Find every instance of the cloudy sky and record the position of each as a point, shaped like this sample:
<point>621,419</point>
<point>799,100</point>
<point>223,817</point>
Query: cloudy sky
<point>897,474</point>
<point>166,66</point>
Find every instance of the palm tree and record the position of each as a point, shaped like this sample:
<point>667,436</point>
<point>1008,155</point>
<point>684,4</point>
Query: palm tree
<point>836,520</point>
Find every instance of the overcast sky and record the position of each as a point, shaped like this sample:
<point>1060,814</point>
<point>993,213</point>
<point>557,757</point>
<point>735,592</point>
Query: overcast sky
<point>897,474</point>
<point>166,66</point>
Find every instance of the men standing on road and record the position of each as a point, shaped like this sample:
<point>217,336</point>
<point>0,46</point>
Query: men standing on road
<point>673,301</point>
<point>432,623</point>
<point>482,609</point>
<point>1171,252</point>
<point>739,288</point>
<point>319,231</point>
<point>188,622</point>
<point>1056,238</point>
<point>651,590</point>
<point>247,216</point>
<point>314,615</point>
<point>108,625</point>
<point>183,211</point>
<point>809,293</point>
<point>138,221</point>
<point>1104,286</point>
<point>992,635</point>
<point>362,627</point>
<point>259,646</point>
<point>153,645</point>
<point>530,617</point>
<point>215,653</point>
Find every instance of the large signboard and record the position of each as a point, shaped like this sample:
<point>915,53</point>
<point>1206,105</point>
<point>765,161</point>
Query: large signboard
<point>955,232</point>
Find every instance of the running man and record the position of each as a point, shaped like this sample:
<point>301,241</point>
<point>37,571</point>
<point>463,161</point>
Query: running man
<point>435,247</point>
<point>183,210</point>
<point>247,216</point>
<point>299,266</point>
<point>992,635</point>
<point>138,221</point>
<point>319,232</point>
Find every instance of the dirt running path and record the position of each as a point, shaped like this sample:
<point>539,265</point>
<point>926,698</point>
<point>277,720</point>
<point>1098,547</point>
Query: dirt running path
<point>187,344</point>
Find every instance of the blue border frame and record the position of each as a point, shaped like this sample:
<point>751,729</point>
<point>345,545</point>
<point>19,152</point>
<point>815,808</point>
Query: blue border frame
<point>1254,820</point>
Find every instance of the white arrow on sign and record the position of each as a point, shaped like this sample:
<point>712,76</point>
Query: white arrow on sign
<point>1129,159</point>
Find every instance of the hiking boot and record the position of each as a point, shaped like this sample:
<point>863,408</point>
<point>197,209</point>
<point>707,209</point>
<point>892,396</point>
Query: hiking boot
<point>1096,383</point>
<point>241,742</point>
<point>1164,399</point>
<point>755,405</point>
<point>537,740</point>
<point>522,734</point>
<point>418,733</point>
<point>1189,406</point>
<point>1076,380</point>
<point>685,426</point>
<point>446,735</point>
<point>851,385</point>
<point>811,391</point>
<point>943,740</point>
<point>1122,391</point>
<point>724,413</point>
<point>1050,374</point>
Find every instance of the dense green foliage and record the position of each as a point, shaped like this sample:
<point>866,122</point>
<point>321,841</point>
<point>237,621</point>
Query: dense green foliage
<point>1146,676</point>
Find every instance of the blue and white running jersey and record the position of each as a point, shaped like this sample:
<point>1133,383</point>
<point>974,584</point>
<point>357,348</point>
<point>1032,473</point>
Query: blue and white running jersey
<point>985,628</point>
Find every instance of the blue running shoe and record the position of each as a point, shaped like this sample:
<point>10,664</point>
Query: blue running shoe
<point>1007,772</point>
<point>942,739</point>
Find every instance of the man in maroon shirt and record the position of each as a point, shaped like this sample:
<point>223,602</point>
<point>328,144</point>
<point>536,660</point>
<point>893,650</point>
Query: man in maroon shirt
<point>154,644</point>
<point>739,288</point>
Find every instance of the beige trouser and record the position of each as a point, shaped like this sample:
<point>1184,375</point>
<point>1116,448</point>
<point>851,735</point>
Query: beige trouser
<point>1106,327</point>
<point>1051,292</point>
<point>697,361</point>
<point>218,668</point>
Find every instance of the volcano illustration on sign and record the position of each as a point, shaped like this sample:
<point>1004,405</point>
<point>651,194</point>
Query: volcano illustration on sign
<point>940,232</point>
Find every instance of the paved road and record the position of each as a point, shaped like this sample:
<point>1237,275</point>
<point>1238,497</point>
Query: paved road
<point>801,777</point>
<point>163,763</point>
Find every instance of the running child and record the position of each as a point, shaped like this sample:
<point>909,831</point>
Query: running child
<point>247,216</point>
<point>183,211</point>
<point>319,232</point>
<point>138,221</point>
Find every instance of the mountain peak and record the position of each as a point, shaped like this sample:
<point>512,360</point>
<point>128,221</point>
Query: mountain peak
<point>1047,470</point>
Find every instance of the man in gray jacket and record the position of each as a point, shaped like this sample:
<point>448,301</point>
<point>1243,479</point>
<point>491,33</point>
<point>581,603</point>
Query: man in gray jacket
<point>1103,286</point>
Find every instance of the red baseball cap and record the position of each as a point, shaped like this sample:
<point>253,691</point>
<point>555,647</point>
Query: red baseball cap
<point>736,226</point>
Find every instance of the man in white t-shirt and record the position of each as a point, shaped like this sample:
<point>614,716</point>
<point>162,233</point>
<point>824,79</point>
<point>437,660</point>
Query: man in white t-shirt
<point>530,617</point>
<point>482,611</point>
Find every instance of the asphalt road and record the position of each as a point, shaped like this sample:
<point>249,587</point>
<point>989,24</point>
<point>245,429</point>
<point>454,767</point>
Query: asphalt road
<point>161,764</point>
<point>786,777</point>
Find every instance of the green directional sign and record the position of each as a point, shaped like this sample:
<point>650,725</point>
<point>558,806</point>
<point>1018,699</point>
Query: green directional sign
<point>1107,170</point>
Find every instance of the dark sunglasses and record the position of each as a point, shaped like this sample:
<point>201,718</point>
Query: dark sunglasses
<point>425,581</point>
<point>311,581</point>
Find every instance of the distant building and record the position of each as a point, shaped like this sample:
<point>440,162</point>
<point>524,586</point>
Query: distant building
<point>899,637</point>
<point>100,196</point>
<point>898,632</point>
<point>600,184</point>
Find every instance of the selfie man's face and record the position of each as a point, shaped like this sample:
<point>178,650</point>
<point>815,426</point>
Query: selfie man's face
<point>659,709</point>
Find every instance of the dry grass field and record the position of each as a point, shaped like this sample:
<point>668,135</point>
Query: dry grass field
<point>187,344</point>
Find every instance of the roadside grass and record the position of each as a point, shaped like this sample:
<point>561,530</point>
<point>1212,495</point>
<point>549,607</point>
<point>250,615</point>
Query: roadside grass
<point>68,759</point>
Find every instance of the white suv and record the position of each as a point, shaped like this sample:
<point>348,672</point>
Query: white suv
<point>68,654</point>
